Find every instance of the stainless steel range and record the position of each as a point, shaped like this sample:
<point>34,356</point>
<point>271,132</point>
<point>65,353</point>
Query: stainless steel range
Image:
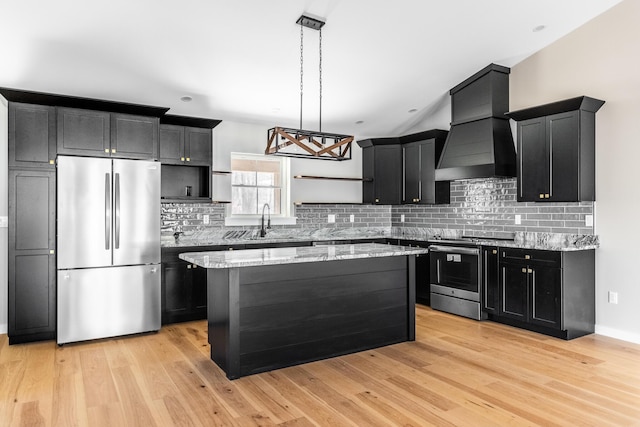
<point>456,275</point>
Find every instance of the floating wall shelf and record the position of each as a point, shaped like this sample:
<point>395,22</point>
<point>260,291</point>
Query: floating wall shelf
<point>338,178</point>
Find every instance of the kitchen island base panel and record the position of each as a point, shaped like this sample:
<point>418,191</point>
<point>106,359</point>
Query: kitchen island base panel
<point>268,317</point>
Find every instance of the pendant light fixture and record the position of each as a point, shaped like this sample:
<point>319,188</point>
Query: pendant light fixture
<point>304,143</point>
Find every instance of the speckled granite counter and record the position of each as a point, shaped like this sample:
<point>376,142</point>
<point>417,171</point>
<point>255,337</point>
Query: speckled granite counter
<point>542,241</point>
<point>258,257</point>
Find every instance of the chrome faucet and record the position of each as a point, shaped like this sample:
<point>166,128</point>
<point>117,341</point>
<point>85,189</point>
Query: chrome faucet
<point>263,231</point>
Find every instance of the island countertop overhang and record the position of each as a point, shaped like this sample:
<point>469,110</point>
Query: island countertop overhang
<point>293,255</point>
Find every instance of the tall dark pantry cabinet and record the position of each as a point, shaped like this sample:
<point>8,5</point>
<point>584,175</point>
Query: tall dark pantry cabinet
<point>32,216</point>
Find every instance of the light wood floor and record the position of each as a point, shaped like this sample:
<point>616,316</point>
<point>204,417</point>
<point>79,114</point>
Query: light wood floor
<point>458,372</point>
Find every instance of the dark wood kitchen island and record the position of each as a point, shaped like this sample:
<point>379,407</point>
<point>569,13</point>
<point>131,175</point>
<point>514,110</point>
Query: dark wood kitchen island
<point>272,308</point>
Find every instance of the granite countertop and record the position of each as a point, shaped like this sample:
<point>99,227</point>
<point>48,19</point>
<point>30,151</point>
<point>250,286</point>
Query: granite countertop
<point>523,240</point>
<point>273,256</point>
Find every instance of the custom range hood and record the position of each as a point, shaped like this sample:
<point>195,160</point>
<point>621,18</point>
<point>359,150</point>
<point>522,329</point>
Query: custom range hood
<point>480,143</point>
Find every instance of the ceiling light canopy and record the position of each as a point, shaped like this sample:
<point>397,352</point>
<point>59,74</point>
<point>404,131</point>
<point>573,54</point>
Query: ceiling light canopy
<point>304,143</point>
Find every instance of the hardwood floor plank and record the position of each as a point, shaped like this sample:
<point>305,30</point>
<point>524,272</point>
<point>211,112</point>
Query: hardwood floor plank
<point>458,372</point>
<point>98,381</point>
<point>134,405</point>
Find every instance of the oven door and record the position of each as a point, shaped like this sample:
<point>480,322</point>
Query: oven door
<point>455,271</point>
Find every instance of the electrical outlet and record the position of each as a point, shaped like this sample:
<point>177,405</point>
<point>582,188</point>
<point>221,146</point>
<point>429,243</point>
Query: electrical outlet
<point>588,220</point>
<point>352,218</point>
<point>613,297</point>
<point>331,218</point>
<point>518,219</point>
<point>402,218</point>
<point>205,219</point>
<point>4,221</point>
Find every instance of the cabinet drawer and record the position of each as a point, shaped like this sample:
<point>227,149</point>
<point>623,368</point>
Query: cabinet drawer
<point>531,256</point>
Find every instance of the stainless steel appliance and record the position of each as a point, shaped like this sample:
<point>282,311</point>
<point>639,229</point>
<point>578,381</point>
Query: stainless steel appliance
<point>108,247</point>
<point>456,280</point>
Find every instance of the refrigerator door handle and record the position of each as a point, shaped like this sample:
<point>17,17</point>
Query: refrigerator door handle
<point>107,211</point>
<point>117,211</point>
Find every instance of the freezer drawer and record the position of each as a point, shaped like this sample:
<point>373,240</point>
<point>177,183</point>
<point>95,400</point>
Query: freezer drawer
<point>106,302</point>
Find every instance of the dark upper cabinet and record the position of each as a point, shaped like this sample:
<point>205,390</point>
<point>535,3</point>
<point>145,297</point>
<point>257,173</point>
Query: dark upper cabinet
<point>32,136</point>
<point>84,132</point>
<point>419,160</point>
<point>32,260</point>
<point>102,134</point>
<point>382,173</point>
<point>134,137</point>
<point>185,145</point>
<point>556,151</point>
<point>547,291</point>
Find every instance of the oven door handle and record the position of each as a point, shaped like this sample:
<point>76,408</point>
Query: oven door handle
<point>454,250</point>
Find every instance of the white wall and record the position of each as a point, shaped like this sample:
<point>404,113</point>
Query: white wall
<point>4,209</point>
<point>231,137</point>
<point>601,60</point>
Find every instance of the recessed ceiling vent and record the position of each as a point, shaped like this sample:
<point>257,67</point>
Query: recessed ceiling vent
<point>480,144</point>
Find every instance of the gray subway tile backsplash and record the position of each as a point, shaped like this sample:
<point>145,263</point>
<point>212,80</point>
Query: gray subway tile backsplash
<point>487,206</point>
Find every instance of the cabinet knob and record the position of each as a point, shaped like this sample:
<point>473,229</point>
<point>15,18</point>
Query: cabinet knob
<point>52,251</point>
<point>527,257</point>
<point>524,270</point>
<point>195,266</point>
<point>546,196</point>
<point>189,267</point>
<point>52,162</point>
<point>541,195</point>
<point>106,150</point>
<point>495,251</point>
<point>113,150</point>
<point>529,270</point>
<point>377,200</point>
<point>188,159</point>
<point>182,159</point>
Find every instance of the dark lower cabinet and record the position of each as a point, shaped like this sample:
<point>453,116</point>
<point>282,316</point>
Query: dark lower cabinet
<point>423,284</point>
<point>184,288</point>
<point>184,285</point>
<point>551,292</point>
<point>490,280</point>
<point>32,260</point>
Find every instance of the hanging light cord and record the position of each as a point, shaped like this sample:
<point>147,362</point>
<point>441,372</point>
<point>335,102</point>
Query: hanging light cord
<point>301,71</point>
<point>320,73</point>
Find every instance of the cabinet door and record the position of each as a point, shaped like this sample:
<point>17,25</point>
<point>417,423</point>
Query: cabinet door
<point>32,261</point>
<point>387,174</point>
<point>411,166</point>
<point>199,290</point>
<point>514,291</point>
<point>490,280</point>
<point>83,132</point>
<point>134,137</point>
<point>368,189</point>
<point>533,160</point>
<point>546,297</point>
<point>32,135</point>
<point>176,280</point>
<point>563,143</point>
<point>198,145</point>
<point>172,144</point>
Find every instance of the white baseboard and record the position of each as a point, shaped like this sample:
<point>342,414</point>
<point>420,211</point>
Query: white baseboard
<point>618,334</point>
<point>3,328</point>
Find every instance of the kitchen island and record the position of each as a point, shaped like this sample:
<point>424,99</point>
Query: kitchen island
<point>272,308</point>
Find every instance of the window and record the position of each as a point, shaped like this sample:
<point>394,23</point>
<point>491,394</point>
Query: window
<point>256,180</point>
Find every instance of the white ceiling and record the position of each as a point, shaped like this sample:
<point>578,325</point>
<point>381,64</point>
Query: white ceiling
<point>240,60</point>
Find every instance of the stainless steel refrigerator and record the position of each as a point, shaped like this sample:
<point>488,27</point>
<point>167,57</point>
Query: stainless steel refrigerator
<point>108,247</point>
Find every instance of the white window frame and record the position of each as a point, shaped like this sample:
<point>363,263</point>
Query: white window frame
<point>285,217</point>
